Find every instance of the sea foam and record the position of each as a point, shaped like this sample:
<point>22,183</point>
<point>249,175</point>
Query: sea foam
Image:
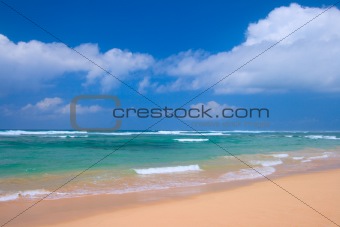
<point>29,194</point>
<point>298,158</point>
<point>247,174</point>
<point>319,157</point>
<point>280,155</point>
<point>191,140</point>
<point>266,163</point>
<point>322,137</point>
<point>167,170</point>
<point>22,132</point>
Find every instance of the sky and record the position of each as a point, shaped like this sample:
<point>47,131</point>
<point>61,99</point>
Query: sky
<point>152,54</point>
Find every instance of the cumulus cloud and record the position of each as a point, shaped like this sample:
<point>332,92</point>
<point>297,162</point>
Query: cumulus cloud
<point>216,108</point>
<point>34,64</point>
<point>57,106</point>
<point>45,104</point>
<point>143,84</point>
<point>307,60</point>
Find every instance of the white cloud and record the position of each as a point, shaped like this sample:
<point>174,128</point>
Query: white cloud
<point>49,103</point>
<point>216,108</point>
<point>143,84</point>
<point>46,104</point>
<point>56,105</point>
<point>34,64</point>
<point>81,109</point>
<point>305,61</point>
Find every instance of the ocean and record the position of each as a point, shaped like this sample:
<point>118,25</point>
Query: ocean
<point>35,163</point>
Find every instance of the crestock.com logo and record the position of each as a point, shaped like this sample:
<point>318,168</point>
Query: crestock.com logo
<point>191,113</point>
<point>73,112</point>
<point>197,112</point>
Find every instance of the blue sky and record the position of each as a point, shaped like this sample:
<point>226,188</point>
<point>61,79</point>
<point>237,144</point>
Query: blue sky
<point>170,51</point>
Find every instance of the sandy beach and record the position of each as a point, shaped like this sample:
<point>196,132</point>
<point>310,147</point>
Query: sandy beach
<point>169,113</point>
<point>258,204</point>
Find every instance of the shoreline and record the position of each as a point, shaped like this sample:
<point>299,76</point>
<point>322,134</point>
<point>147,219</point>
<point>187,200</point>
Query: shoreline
<point>222,170</point>
<point>317,188</point>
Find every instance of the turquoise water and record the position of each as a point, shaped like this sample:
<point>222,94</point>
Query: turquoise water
<point>34,162</point>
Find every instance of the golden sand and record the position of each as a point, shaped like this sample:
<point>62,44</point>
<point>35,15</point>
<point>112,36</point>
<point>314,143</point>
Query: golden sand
<point>258,204</point>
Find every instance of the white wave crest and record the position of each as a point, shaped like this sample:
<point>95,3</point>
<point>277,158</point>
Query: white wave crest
<point>322,137</point>
<point>167,170</point>
<point>170,132</point>
<point>191,140</point>
<point>298,158</point>
<point>280,155</point>
<point>189,133</point>
<point>22,132</point>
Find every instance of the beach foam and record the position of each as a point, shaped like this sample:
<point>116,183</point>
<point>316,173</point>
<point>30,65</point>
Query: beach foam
<point>266,163</point>
<point>29,194</point>
<point>298,158</point>
<point>318,157</point>
<point>246,174</point>
<point>9,197</point>
<point>280,155</point>
<point>167,170</point>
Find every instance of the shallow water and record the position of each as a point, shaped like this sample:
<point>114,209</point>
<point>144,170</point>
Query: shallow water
<point>34,163</point>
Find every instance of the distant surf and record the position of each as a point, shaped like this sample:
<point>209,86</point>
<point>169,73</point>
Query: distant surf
<point>322,137</point>
<point>191,140</point>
